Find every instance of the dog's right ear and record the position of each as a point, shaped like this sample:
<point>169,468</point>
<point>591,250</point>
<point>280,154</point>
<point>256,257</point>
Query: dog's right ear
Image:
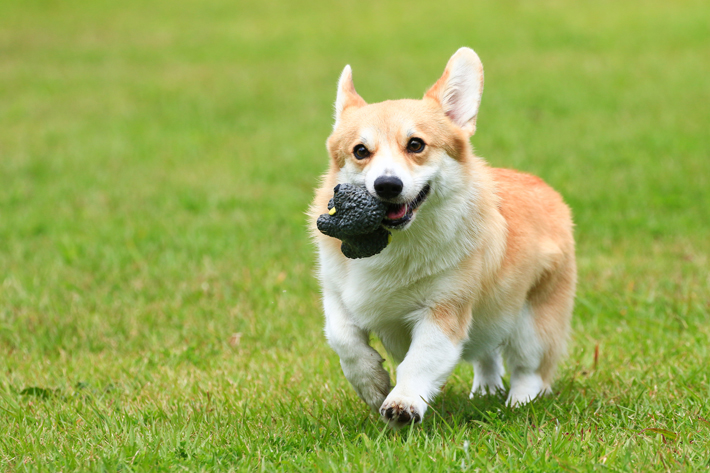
<point>347,95</point>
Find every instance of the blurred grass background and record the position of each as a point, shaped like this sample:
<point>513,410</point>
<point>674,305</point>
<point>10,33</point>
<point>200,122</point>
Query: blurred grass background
<point>156,159</point>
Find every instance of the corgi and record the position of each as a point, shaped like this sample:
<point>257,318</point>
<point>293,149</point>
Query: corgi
<point>481,265</point>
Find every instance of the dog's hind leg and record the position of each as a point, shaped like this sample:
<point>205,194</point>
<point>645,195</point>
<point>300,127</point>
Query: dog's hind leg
<point>524,353</point>
<point>540,336</point>
<point>488,373</point>
<point>552,302</point>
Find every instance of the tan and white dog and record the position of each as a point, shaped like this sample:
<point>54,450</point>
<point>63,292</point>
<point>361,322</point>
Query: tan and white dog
<point>481,265</point>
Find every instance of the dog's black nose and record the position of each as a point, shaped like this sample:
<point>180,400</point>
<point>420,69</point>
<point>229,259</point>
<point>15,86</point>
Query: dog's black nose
<point>388,187</point>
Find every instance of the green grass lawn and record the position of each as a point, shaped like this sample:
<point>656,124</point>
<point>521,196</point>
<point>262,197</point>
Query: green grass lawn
<point>156,161</point>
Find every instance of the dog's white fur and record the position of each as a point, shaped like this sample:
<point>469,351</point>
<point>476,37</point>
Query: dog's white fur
<point>484,269</point>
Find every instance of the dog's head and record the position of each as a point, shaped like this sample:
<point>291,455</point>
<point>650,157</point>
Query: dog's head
<point>398,149</point>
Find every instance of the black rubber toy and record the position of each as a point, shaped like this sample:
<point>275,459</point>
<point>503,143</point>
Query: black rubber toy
<point>356,221</point>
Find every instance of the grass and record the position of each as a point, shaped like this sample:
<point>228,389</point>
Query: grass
<point>156,159</point>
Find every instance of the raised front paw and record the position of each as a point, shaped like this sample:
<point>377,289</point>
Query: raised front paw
<point>370,380</point>
<point>399,411</point>
<point>374,392</point>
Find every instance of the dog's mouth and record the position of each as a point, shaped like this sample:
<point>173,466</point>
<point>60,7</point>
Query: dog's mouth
<point>398,215</point>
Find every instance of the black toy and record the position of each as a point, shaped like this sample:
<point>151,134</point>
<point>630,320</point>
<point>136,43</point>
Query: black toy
<point>355,217</point>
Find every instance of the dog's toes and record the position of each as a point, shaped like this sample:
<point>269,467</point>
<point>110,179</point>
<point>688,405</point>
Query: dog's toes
<point>400,413</point>
<point>404,417</point>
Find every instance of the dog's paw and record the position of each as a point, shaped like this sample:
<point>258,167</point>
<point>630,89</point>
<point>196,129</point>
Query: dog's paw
<point>399,411</point>
<point>486,388</point>
<point>374,393</point>
<point>370,380</point>
<point>525,388</point>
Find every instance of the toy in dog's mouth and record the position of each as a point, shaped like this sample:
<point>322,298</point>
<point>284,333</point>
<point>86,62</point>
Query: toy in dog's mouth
<point>398,215</point>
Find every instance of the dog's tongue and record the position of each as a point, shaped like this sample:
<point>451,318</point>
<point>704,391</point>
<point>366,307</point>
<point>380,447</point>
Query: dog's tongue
<point>395,212</point>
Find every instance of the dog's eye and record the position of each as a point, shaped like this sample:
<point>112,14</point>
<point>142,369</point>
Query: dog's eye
<point>361,152</point>
<point>415,145</point>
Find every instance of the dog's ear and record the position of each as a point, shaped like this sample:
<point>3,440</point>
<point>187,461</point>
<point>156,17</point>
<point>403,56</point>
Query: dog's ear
<point>347,95</point>
<point>459,89</point>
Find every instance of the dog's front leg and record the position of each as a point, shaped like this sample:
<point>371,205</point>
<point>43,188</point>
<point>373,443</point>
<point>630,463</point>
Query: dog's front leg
<point>361,364</point>
<point>431,357</point>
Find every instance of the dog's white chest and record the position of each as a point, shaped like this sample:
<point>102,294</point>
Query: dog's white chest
<point>374,303</point>
<point>385,295</point>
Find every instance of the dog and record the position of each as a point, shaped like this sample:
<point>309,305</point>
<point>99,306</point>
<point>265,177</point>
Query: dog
<point>481,266</point>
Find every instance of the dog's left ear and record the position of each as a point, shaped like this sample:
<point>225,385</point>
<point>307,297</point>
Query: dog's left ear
<point>459,89</point>
<point>347,95</point>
